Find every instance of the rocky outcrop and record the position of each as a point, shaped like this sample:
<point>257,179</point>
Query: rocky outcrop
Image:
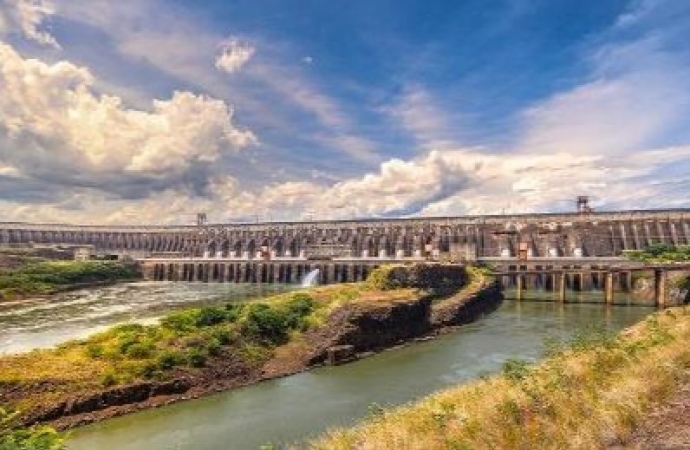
<point>466,307</point>
<point>350,330</point>
<point>370,328</point>
<point>374,327</point>
<point>119,396</point>
<point>438,278</point>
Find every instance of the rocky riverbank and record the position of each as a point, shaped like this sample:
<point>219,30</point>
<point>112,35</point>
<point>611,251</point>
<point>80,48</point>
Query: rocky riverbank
<point>349,322</point>
<point>597,391</point>
<point>27,278</point>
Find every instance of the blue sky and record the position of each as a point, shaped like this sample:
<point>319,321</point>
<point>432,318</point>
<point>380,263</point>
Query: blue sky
<point>151,110</point>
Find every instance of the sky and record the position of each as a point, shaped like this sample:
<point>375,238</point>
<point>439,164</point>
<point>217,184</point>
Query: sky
<point>149,111</point>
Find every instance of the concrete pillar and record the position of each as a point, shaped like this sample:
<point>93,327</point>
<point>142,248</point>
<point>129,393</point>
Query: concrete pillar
<point>561,287</point>
<point>518,287</point>
<point>608,288</point>
<point>660,287</point>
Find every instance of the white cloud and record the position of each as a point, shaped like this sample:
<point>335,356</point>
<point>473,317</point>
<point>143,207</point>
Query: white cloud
<point>420,115</point>
<point>593,139</point>
<point>54,115</point>
<point>27,17</point>
<point>234,54</point>
<point>178,47</point>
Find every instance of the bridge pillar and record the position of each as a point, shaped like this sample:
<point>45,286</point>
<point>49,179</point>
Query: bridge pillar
<point>608,288</point>
<point>660,285</point>
<point>561,287</point>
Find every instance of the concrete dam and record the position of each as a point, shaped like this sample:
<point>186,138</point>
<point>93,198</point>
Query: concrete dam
<point>591,234</point>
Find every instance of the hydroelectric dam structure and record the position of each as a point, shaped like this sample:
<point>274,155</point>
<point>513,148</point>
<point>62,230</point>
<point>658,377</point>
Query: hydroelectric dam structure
<point>539,246</point>
<point>594,234</point>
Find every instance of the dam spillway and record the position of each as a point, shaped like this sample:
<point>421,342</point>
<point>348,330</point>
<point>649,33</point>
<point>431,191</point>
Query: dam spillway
<point>594,234</point>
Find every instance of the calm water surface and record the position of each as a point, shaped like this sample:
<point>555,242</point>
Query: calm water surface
<point>291,409</point>
<point>46,322</point>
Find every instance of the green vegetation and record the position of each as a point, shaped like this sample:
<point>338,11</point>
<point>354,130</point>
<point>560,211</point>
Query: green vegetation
<point>590,393</point>
<point>50,276</point>
<point>34,438</point>
<point>193,344</point>
<point>660,253</point>
<point>182,343</point>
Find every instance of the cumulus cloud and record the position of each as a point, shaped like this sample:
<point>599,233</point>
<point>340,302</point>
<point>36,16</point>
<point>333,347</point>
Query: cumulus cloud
<point>467,181</point>
<point>27,17</point>
<point>53,114</point>
<point>233,55</point>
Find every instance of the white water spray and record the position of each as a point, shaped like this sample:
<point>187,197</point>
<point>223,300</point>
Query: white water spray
<point>311,279</point>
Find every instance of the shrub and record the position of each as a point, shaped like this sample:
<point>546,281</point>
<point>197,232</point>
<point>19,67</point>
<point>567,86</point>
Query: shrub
<point>180,322</point>
<point>210,316</point>
<point>266,323</point>
<point>380,278</point>
<point>197,357</point>
<point>224,337</point>
<point>516,369</point>
<point>109,379</point>
<point>94,351</point>
<point>213,347</point>
<point>141,350</point>
<point>297,309</point>
<point>34,438</point>
<point>169,359</point>
<point>148,370</point>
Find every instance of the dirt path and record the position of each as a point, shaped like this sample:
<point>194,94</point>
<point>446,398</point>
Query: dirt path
<point>665,428</point>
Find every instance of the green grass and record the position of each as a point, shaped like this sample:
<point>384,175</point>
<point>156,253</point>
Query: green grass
<point>588,394</point>
<point>660,253</point>
<point>34,438</point>
<point>183,343</point>
<point>49,276</point>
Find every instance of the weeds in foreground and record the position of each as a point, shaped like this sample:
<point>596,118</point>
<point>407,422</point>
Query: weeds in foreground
<point>589,393</point>
<point>34,438</point>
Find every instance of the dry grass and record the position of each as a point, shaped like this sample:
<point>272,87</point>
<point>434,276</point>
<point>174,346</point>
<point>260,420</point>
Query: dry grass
<point>586,397</point>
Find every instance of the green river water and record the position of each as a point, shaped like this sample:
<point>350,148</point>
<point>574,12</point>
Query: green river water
<point>291,409</point>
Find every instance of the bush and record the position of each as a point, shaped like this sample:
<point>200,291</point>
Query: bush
<point>141,350</point>
<point>169,359</point>
<point>148,370</point>
<point>224,337</point>
<point>94,350</point>
<point>267,324</point>
<point>210,316</point>
<point>109,379</point>
<point>516,369</point>
<point>34,438</point>
<point>180,322</point>
<point>197,357</point>
<point>298,308</point>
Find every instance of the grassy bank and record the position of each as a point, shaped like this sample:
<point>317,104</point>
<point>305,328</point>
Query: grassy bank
<point>588,394</point>
<point>47,277</point>
<point>231,338</point>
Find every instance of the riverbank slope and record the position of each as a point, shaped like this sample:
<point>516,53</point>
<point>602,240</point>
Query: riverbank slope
<point>591,393</point>
<point>199,351</point>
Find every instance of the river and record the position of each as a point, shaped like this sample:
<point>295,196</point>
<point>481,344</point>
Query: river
<point>291,409</point>
<point>45,322</point>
